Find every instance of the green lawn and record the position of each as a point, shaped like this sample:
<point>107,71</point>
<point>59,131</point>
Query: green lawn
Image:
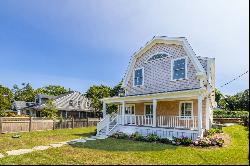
<point>114,151</point>
<point>29,140</point>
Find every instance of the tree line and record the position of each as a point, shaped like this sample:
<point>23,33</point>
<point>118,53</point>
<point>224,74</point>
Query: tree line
<point>27,93</point>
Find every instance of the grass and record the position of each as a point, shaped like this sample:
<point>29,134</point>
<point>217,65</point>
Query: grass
<point>116,151</point>
<point>29,140</point>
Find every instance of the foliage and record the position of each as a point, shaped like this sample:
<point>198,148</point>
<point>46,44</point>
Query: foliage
<point>26,93</point>
<point>50,110</point>
<point>207,141</point>
<point>219,113</point>
<point>165,141</point>
<point>245,121</point>
<point>137,137</point>
<point>95,93</point>
<point>213,131</point>
<point>52,90</point>
<point>237,102</point>
<point>218,95</point>
<point>152,138</point>
<point>117,90</point>
<point>182,141</point>
<point>5,99</point>
<point>120,135</point>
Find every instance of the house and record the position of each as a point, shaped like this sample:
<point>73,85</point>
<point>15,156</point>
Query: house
<point>19,106</point>
<point>169,91</point>
<point>72,104</point>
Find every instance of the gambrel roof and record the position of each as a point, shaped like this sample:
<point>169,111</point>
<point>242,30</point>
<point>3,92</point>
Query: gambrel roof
<point>167,40</point>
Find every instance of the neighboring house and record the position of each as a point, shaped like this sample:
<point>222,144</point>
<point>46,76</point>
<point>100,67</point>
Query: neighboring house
<point>19,106</point>
<point>71,104</point>
<point>169,91</point>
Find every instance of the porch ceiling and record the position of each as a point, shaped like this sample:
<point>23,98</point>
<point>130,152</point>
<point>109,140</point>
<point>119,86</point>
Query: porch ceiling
<point>177,95</point>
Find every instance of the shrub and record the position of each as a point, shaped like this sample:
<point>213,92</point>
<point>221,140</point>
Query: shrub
<point>182,141</point>
<point>152,138</point>
<point>137,137</point>
<point>213,131</point>
<point>165,141</point>
<point>219,113</point>
<point>120,135</point>
<point>205,142</point>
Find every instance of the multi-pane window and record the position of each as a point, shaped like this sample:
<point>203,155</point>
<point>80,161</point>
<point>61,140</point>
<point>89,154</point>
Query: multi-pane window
<point>138,77</point>
<point>71,103</point>
<point>149,110</point>
<point>179,69</point>
<point>157,56</point>
<point>186,109</point>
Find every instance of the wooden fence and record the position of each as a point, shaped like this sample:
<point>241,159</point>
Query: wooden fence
<point>27,124</point>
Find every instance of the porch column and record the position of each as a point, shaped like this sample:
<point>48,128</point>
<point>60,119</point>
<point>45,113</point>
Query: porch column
<point>154,112</point>
<point>123,112</point>
<point>103,109</point>
<point>207,114</point>
<point>200,115</point>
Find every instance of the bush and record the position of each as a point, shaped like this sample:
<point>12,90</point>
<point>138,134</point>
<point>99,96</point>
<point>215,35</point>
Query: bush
<point>165,141</point>
<point>120,135</point>
<point>205,142</point>
<point>219,113</point>
<point>137,137</point>
<point>213,131</point>
<point>182,141</point>
<point>152,138</point>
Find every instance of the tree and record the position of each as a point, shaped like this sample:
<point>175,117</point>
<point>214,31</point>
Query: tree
<point>6,97</point>
<point>26,93</point>
<point>218,95</point>
<point>50,110</point>
<point>116,90</point>
<point>95,93</point>
<point>53,90</point>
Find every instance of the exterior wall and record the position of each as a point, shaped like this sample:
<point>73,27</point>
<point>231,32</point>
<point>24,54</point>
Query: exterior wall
<point>171,108</point>
<point>157,74</point>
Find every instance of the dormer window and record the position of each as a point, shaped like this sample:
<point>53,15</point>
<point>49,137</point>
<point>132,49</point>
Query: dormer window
<point>71,103</point>
<point>87,104</point>
<point>138,77</point>
<point>79,103</point>
<point>158,55</point>
<point>179,69</point>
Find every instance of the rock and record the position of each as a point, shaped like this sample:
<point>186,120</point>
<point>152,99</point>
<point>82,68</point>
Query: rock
<point>41,147</point>
<point>1,155</point>
<point>90,139</point>
<point>56,145</point>
<point>18,152</point>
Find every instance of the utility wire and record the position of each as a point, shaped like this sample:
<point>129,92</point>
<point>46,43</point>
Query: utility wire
<point>234,79</point>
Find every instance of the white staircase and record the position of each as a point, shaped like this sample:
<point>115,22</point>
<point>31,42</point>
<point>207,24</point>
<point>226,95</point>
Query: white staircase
<point>107,125</point>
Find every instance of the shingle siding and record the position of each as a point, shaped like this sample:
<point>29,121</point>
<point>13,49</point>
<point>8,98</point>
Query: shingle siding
<point>157,74</point>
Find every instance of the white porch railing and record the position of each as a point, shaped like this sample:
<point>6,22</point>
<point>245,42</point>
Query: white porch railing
<point>103,124</point>
<point>178,122</point>
<point>162,121</point>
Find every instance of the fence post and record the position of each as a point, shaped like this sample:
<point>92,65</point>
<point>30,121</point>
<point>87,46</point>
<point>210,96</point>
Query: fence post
<point>30,124</point>
<point>53,124</point>
<point>1,126</point>
<point>87,122</point>
<point>72,122</point>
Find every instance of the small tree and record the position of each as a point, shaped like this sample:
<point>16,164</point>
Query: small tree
<point>5,99</point>
<point>50,110</point>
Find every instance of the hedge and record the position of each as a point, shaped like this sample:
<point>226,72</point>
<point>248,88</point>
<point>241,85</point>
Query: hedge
<point>229,114</point>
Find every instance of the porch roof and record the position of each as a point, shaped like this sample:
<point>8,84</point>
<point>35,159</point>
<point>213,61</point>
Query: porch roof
<point>158,96</point>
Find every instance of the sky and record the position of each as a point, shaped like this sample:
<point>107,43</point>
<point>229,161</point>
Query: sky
<point>82,43</point>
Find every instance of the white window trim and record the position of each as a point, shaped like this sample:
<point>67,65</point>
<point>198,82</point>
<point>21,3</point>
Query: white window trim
<point>160,52</point>
<point>192,111</point>
<point>142,77</point>
<point>127,105</point>
<point>145,104</point>
<point>87,104</point>
<point>186,69</point>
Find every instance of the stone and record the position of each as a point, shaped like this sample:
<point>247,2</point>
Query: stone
<point>90,139</point>
<point>1,155</point>
<point>41,147</point>
<point>56,145</point>
<point>19,152</point>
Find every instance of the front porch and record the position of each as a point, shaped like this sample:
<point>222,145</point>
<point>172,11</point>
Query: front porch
<point>177,112</point>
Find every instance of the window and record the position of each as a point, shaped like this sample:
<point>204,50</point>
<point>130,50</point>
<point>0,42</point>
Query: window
<point>138,77</point>
<point>179,69</point>
<point>87,104</point>
<point>79,103</point>
<point>149,110</point>
<point>130,109</point>
<point>186,109</point>
<point>157,56</point>
<point>71,103</point>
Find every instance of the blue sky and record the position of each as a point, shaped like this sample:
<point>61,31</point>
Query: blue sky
<point>84,42</point>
